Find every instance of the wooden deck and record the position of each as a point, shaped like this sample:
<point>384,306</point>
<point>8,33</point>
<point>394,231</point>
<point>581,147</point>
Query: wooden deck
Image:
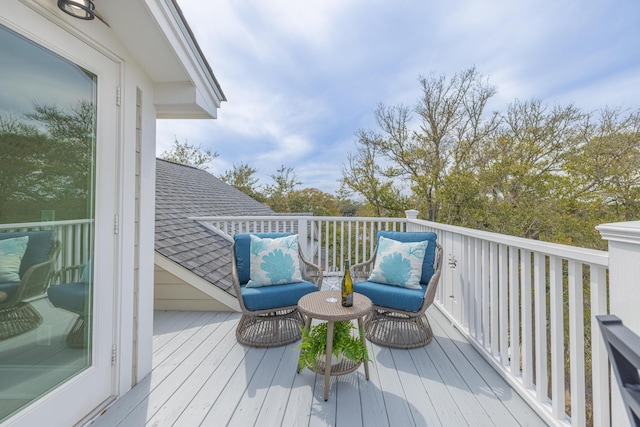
<point>203,376</point>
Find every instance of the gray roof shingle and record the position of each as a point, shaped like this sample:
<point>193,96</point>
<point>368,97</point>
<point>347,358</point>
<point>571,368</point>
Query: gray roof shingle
<point>184,191</point>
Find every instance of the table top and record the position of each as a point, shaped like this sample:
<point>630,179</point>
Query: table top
<point>315,305</point>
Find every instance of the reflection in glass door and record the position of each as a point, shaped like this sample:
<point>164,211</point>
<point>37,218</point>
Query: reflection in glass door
<point>47,198</point>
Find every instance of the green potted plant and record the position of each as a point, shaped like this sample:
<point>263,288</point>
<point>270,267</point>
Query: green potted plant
<point>346,345</point>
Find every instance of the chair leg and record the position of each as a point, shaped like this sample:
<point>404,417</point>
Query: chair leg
<point>397,330</point>
<point>77,337</point>
<point>270,330</point>
<point>18,319</point>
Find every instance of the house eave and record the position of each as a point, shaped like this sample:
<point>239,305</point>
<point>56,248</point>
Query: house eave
<point>181,100</point>
<point>158,38</point>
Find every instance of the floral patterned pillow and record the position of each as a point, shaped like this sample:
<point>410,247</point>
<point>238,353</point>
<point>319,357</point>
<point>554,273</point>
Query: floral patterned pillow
<point>274,261</point>
<point>398,263</point>
<point>11,253</point>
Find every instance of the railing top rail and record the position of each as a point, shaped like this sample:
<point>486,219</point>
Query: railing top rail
<point>295,217</point>
<point>585,255</point>
<point>590,256</point>
<point>45,224</point>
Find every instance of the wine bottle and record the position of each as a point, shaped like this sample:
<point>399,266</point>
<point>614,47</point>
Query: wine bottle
<point>347,287</point>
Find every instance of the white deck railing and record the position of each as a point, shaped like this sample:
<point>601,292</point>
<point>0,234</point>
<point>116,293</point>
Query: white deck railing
<point>326,241</point>
<point>513,298</point>
<point>75,238</point>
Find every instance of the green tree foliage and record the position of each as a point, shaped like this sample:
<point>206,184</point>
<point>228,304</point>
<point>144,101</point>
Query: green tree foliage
<point>365,176</point>
<point>314,201</point>
<point>278,194</point>
<point>451,125</point>
<point>519,169</point>
<point>243,178</point>
<point>549,173</point>
<point>46,158</point>
<point>190,155</point>
<point>282,195</point>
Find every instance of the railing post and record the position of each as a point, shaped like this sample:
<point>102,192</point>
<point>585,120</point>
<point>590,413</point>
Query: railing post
<point>411,214</point>
<point>624,290</point>
<point>303,237</point>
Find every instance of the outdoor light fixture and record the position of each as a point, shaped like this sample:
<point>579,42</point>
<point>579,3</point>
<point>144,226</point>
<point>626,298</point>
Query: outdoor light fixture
<point>82,9</point>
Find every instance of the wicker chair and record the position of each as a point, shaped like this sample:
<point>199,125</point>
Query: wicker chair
<point>71,291</point>
<point>270,315</point>
<point>398,318</point>
<point>17,315</point>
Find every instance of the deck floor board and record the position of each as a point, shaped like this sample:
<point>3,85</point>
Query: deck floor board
<point>203,376</point>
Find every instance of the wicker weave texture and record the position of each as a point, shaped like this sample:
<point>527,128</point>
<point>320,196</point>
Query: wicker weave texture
<point>325,305</point>
<point>18,316</point>
<point>18,319</point>
<point>272,328</point>
<point>396,328</point>
<point>342,367</point>
<point>393,329</point>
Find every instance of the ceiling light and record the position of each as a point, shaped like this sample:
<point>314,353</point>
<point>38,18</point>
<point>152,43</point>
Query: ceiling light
<point>82,9</point>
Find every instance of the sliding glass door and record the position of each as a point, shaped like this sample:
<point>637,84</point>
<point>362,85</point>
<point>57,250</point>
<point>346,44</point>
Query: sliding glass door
<point>57,203</point>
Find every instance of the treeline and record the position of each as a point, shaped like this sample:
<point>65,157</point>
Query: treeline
<point>541,172</point>
<point>283,195</point>
<point>46,157</point>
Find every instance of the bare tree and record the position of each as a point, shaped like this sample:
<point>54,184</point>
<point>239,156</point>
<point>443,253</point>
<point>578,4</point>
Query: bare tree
<point>190,155</point>
<point>242,177</point>
<point>452,124</point>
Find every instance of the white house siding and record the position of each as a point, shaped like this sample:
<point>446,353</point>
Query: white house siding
<point>182,290</point>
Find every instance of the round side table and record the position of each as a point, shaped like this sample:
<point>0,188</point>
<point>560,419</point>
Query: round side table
<point>325,305</point>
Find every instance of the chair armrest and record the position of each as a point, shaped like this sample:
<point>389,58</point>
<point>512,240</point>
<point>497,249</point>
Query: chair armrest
<point>68,274</point>
<point>430,295</point>
<point>36,279</point>
<point>310,272</point>
<point>361,272</point>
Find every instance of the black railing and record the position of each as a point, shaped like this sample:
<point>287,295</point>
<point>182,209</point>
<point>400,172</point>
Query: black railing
<point>623,346</point>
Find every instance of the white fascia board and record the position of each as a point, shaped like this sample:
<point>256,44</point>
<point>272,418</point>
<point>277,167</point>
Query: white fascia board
<point>196,281</point>
<point>208,94</point>
<point>180,100</point>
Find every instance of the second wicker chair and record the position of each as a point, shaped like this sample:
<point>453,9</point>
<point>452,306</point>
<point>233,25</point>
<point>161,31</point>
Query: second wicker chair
<point>398,318</point>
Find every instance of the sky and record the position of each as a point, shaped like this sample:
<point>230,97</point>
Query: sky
<point>301,77</point>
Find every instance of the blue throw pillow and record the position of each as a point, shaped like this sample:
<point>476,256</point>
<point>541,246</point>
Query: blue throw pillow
<point>398,263</point>
<point>11,253</point>
<point>417,236</point>
<point>274,261</point>
<point>243,252</point>
<point>38,249</point>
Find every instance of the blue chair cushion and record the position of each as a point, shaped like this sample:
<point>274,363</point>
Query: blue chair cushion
<point>38,248</point>
<point>429,255</point>
<point>276,296</point>
<point>10,288</point>
<point>70,296</point>
<point>243,252</point>
<point>393,297</point>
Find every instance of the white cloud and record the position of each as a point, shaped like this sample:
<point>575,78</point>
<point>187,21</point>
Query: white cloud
<point>302,77</point>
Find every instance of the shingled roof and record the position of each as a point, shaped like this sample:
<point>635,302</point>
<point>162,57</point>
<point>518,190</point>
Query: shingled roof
<point>184,191</point>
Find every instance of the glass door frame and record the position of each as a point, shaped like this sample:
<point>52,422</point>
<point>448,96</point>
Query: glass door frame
<point>77,397</point>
